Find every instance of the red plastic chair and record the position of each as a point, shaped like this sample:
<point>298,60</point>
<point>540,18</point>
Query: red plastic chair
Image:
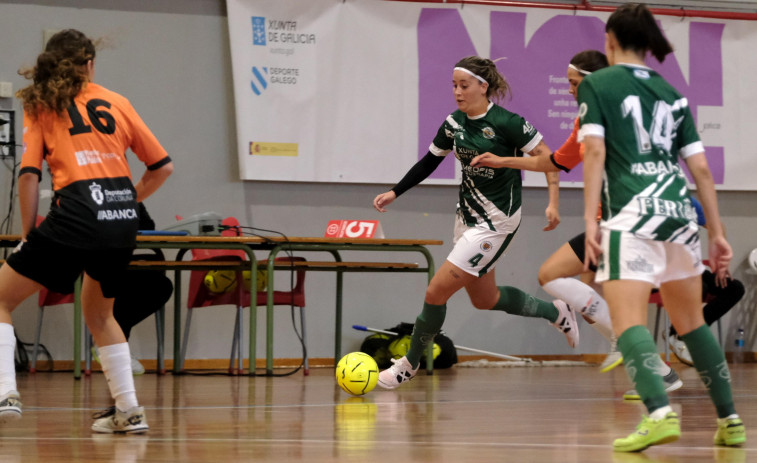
<point>200,296</point>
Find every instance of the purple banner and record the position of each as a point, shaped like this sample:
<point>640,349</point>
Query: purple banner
<point>536,72</point>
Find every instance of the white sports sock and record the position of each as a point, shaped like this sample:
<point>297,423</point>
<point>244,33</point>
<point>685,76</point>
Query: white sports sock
<point>116,362</point>
<point>581,296</point>
<point>661,412</point>
<point>733,416</point>
<point>605,331</point>
<point>7,359</point>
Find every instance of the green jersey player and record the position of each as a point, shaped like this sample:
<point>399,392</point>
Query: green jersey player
<point>635,126</point>
<point>488,213</point>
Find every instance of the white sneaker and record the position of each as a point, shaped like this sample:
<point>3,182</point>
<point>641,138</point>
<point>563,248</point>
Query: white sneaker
<point>130,421</point>
<point>401,371</point>
<point>566,322</point>
<point>671,380</point>
<point>10,407</point>
<point>613,359</point>
<point>136,367</point>
<point>679,348</point>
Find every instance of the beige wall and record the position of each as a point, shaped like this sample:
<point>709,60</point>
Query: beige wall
<point>175,68</point>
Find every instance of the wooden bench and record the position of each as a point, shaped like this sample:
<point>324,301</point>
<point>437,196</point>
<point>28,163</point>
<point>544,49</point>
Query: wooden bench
<point>306,265</point>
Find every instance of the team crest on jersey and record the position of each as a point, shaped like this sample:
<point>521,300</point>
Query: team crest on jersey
<point>487,132</point>
<point>97,193</point>
<point>641,73</point>
<point>486,246</point>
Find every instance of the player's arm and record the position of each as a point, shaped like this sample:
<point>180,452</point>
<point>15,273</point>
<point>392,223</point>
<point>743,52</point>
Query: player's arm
<point>152,179</point>
<point>594,161</point>
<point>418,173</point>
<point>538,161</point>
<point>553,208</point>
<point>532,163</point>
<point>30,175</point>
<point>552,213</point>
<point>720,252</point>
<point>28,199</point>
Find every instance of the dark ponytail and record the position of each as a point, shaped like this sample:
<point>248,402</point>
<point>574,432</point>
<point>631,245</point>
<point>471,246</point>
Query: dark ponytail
<point>589,61</point>
<point>636,29</point>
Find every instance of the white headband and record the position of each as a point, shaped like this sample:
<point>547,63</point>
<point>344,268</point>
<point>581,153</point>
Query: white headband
<point>577,69</point>
<point>474,75</point>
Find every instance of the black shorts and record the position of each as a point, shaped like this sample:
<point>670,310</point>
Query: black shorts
<point>578,244</point>
<point>57,266</point>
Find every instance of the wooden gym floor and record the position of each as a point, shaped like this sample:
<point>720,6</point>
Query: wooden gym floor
<point>522,414</point>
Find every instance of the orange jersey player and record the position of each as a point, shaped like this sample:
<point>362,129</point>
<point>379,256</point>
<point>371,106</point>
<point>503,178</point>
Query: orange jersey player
<point>83,132</point>
<point>86,153</point>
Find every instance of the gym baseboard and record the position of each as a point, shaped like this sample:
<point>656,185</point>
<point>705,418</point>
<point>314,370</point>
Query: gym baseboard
<point>324,362</point>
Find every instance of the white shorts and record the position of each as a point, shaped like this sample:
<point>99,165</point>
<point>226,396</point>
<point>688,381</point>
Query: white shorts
<point>627,257</point>
<point>476,249</point>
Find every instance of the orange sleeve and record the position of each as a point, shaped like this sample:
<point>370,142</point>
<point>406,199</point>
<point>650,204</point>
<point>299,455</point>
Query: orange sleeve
<point>33,153</point>
<point>143,142</point>
<point>571,152</point>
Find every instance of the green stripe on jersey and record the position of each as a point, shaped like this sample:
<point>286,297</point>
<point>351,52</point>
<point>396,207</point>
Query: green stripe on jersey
<point>614,257</point>
<point>487,196</point>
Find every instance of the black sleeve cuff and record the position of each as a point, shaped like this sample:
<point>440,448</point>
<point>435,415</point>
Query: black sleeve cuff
<point>563,168</point>
<point>31,170</point>
<point>160,163</point>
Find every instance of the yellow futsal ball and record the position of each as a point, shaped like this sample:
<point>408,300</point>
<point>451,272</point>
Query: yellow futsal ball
<point>262,279</point>
<point>357,373</point>
<point>220,281</point>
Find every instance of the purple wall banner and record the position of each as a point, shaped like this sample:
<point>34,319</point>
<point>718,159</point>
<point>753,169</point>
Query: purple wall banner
<point>355,91</point>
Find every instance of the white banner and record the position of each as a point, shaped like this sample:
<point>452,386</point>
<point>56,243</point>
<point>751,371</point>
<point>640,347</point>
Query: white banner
<point>354,91</point>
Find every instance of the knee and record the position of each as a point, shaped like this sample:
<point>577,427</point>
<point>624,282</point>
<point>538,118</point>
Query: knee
<point>95,317</point>
<point>434,297</point>
<point>95,321</point>
<point>481,304</point>
<point>486,301</point>
<point>545,276</point>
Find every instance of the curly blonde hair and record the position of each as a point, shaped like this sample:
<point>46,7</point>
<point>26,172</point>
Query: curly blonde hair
<point>487,69</point>
<point>59,74</point>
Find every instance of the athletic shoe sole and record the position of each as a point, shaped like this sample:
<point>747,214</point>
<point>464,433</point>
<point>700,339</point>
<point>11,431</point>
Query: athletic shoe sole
<point>633,395</point>
<point>612,365</point>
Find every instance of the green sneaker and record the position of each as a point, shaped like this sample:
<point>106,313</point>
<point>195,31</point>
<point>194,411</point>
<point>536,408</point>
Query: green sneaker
<point>730,432</point>
<point>650,432</point>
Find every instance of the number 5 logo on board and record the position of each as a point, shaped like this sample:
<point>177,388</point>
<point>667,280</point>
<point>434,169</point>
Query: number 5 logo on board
<point>354,229</point>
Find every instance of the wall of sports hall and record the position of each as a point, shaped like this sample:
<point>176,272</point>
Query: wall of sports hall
<point>173,61</point>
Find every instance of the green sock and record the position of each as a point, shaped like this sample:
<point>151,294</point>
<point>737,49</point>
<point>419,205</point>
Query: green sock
<point>642,365</point>
<point>516,302</point>
<point>427,325</point>
<point>712,367</point>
